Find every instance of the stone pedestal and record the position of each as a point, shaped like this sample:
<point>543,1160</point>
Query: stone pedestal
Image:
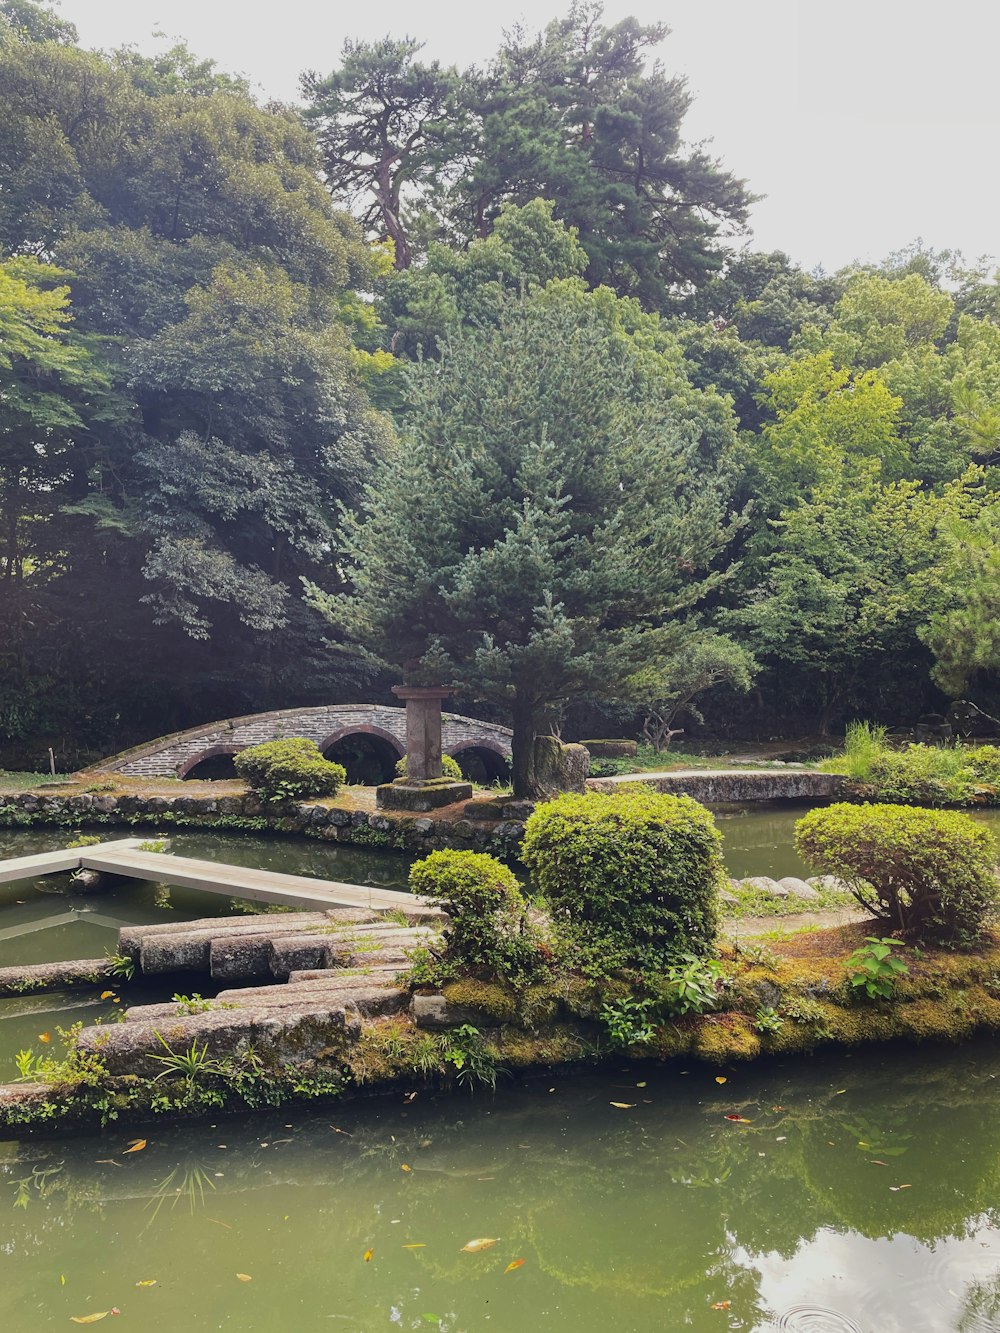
<point>423,788</point>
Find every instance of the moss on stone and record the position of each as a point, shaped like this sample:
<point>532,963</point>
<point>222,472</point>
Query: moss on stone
<point>719,1038</point>
<point>557,1045</point>
<point>493,1000</point>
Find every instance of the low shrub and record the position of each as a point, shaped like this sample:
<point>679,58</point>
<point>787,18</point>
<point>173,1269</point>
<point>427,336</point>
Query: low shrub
<point>927,875</point>
<point>449,768</point>
<point>918,774</point>
<point>633,878</point>
<point>288,769</point>
<point>488,931</point>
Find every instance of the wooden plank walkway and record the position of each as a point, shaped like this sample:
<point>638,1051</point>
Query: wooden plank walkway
<point>57,861</point>
<point>267,886</point>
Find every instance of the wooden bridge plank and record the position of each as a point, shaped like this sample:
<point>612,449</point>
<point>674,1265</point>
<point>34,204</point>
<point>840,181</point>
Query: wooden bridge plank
<point>245,882</point>
<point>56,861</point>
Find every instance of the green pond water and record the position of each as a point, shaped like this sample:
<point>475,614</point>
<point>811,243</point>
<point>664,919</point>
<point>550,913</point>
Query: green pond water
<point>621,1220</point>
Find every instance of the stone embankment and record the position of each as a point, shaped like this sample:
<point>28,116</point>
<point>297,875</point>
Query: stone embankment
<point>486,824</point>
<point>497,828</point>
<point>723,787</point>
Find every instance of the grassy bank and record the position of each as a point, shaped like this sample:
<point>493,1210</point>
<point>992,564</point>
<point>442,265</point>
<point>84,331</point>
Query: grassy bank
<point>955,774</point>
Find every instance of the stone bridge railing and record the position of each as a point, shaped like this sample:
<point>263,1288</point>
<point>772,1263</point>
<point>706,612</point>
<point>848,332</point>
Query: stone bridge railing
<point>177,755</point>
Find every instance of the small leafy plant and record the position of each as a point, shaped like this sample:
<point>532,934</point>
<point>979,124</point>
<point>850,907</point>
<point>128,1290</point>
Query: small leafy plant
<point>191,1004</point>
<point>693,984</point>
<point>192,1064</point>
<point>467,1053</point>
<point>121,965</point>
<point>874,968</point>
<point>768,1019</point>
<point>628,1022</point>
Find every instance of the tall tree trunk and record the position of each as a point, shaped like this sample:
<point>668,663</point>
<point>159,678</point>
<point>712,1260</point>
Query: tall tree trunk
<point>523,753</point>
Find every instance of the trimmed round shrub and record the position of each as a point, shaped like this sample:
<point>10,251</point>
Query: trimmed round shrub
<point>927,875</point>
<point>449,768</point>
<point>488,930</point>
<point>633,877</point>
<point>288,769</point>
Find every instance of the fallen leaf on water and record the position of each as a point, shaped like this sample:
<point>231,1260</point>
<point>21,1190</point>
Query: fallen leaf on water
<point>778,1108</point>
<point>368,1256</point>
<point>874,1161</point>
<point>895,1188</point>
<point>479,1244</point>
<point>106,1161</point>
<point>840,1092</point>
<point>721,1305</point>
<point>419,1245</point>
<point>720,1079</point>
<point>739,1119</point>
<point>404,1167</point>
<point>135,1145</point>
<point>341,1131</point>
<point>642,1084</point>
<point>410,1097</point>
<point>516,1263</point>
<point>218,1223</point>
<point>782,1138</point>
<point>46,1037</point>
<point>116,1000</point>
<point>244,1277</point>
<point>624,1106</point>
<point>106,994</point>
<point>149,1282</point>
<point>89,1318</point>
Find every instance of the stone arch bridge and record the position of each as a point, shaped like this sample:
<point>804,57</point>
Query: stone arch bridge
<point>367,738</point>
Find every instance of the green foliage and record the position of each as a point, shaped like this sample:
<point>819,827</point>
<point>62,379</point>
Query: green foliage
<point>875,969</point>
<point>952,774</point>
<point>569,114</point>
<point>288,769</point>
<point>191,1004</point>
<point>628,1021</point>
<point>692,984</point>
<point>767,1019</point>
<point>449,768</point>
<point>121,965</point>
<point>488,929</point>
<point>928,874</point>
<point>633,877</point>
<point>191,1064</point>
<point>467,1052</point>
<point>85,840</point>
<point>568,516</point>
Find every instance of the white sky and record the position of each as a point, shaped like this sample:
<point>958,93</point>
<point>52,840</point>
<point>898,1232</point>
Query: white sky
<point>867,123</point>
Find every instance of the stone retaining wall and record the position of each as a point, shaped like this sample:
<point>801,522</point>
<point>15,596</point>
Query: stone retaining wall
<point>722,787</point>
<point>400,831</point>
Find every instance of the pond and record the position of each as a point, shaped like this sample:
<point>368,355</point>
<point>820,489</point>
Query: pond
<point>862,1195</point>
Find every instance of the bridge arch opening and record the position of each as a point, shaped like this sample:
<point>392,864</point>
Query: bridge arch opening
<point>482,764</point>
<point>212,765</point>
<point>368,753</point>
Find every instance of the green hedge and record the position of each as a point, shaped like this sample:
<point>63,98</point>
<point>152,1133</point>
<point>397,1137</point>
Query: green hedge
<point>928,875</point>
<point>633,877</point>
<point>488,930</point>
<point>289,769</point>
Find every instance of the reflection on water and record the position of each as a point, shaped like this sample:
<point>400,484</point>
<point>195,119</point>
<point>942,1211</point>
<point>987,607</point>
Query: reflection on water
<point>628,1220</point>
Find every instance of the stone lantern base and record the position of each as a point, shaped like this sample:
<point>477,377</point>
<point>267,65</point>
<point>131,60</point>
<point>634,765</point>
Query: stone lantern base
<point>421,795</point>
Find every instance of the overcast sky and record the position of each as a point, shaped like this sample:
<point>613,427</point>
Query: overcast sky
<point>865,123</point>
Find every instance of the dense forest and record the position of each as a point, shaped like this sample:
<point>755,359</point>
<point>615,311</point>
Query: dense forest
<point>466,375</point>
